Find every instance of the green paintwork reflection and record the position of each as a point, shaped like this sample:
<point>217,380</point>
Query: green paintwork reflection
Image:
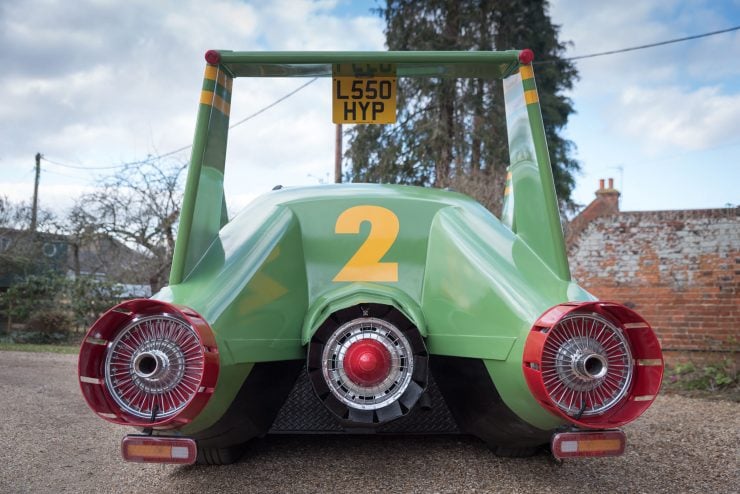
<point>491,65</point>
<point>352,294</point>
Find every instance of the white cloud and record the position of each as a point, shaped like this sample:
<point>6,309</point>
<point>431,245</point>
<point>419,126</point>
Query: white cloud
<point>680,119</point>
<point>638,111</point>
<point>107,82</point>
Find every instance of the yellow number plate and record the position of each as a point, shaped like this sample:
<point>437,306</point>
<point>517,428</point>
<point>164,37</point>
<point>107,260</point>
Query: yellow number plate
<point>359,99</point>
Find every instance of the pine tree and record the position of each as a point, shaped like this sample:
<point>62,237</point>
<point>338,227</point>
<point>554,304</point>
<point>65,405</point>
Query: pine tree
<point>452,133</point>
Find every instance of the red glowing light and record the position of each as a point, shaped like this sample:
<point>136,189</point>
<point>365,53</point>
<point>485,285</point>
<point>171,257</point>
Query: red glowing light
<point>526,56</point>
<point>367,362</point>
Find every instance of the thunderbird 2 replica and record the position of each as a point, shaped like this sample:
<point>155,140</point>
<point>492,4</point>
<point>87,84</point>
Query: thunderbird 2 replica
<point>368,308</point>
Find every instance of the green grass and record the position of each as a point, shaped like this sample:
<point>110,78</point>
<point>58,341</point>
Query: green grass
<point>29,347</point>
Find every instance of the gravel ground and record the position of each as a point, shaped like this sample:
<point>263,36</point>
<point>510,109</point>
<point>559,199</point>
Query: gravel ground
<point>51,442</point>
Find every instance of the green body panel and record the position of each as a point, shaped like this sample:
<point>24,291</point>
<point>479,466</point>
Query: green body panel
<point>469,283</point>
<point>472,284</point>
<point>350,295</point>
<point>483,289</point>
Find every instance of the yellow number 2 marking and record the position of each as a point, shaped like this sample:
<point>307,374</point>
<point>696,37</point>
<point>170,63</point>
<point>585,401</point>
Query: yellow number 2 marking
<point>365,265</point>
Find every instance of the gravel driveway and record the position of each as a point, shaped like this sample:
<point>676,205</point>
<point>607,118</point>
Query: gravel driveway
<point>51,442</point>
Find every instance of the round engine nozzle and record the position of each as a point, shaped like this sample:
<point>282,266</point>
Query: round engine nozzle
<point>596,364</point>
<point>149,364</point>
<point>368,365</point>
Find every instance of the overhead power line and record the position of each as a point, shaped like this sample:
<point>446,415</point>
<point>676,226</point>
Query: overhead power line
<point>299,88</point>
<point>183,148</point>
<point>264,109</point>
<point>78,167</point>
<point>642,47</point>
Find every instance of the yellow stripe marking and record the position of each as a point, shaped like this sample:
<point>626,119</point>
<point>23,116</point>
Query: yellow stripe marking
<point>213,74</point>
<point>636,325</point>
<point>644,398</point>
<point>530,96</point>
<point>90,380</point>
<point>509,175</point>
<point>507,191</point>
<point>526,72</point>
<point>211,99</point>
<point>650,362</point>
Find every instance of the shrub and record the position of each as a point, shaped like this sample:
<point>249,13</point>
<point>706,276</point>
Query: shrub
<point>38,337</point>
<point>52,306</point>
<point>45,326</point>
<point>50,321</point>
<point>89,297</point>
<point>717,376</point>
<point>34,294</point>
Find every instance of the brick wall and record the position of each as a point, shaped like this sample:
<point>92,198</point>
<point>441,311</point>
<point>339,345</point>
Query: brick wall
<point>678,269</point>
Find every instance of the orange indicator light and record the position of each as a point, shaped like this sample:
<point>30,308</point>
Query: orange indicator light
<point>588,444</point>
<point>152,449</point>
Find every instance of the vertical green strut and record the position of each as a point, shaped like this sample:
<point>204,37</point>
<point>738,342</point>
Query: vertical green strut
<point>204,206</point>
<point>530,203</point>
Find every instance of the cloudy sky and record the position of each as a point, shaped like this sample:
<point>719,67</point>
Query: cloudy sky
<point>92,84</point>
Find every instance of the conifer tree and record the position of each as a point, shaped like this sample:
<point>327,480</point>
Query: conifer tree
<point>452,133</point>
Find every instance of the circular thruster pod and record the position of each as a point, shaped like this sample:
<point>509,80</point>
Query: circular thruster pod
<point>596,364</point>
<point>368,365</point>
<point>148,363</point>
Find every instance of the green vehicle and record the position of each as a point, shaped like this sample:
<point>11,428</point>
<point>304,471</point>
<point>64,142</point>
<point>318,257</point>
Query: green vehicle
<point>370,309</point>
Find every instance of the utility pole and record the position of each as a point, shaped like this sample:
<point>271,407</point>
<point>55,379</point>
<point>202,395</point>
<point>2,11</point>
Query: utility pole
<point>35,207</point>
<point>338,155</point>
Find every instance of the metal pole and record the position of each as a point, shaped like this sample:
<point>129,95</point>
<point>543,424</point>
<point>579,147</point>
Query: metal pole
<point>35,207</point>
<point>338,155</point>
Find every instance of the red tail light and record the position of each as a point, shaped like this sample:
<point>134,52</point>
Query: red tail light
<point>596,364</point>
<point>148,363</point>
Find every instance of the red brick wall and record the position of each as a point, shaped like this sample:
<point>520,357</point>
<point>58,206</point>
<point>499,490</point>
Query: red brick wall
<point>679,269</point>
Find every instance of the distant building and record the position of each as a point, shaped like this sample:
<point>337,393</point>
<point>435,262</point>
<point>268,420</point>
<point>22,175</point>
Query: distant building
<point>678,269</point>
<point>24,253</point>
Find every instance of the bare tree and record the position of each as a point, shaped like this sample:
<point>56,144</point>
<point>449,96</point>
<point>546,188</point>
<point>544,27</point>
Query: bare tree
<point>138,207</point>
<point>17,216</point>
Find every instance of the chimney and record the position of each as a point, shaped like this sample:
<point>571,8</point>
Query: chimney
<point>605,204</point>
<point>608,198</point>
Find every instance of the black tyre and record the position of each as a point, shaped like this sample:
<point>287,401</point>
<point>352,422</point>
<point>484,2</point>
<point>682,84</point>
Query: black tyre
<point>220,456</point>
